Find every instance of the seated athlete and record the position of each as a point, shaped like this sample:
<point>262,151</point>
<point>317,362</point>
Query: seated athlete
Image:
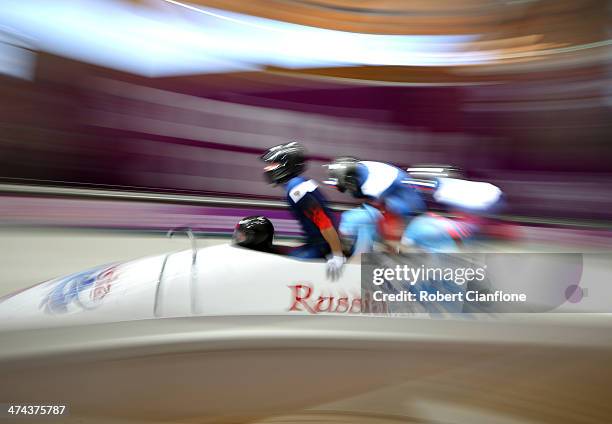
<point>255,233</point>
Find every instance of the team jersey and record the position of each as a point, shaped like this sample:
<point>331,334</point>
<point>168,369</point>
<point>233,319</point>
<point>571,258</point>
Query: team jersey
<point>468,195</point>
<point>375,178</point>
<point>309,206</point>
<point>387,184</point>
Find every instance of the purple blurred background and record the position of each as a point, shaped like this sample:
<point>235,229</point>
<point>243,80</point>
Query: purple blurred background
<point>540,129</point>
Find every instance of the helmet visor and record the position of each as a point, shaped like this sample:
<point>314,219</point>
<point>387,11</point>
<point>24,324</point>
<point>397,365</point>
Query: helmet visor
<point>239,236</point>
<point>272,167</point>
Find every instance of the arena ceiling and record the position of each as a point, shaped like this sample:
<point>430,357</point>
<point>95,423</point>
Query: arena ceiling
<point>422,17</point>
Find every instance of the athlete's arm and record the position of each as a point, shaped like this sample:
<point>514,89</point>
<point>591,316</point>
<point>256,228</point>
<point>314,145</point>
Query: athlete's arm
<point>315,212</point>
<point>333,239</point>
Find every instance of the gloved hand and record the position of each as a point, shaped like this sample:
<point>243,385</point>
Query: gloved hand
<point>334,266</point>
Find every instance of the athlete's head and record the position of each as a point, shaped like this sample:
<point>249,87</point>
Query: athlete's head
<point>284,162</point>
<point>342,173</point>
<point>254,232</point>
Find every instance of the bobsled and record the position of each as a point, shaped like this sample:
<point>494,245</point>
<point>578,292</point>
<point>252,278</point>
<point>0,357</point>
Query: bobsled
<point>217,280</point>
<point>214,280</point>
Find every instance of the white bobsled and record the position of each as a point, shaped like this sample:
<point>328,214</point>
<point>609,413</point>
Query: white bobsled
<point>216,280</point>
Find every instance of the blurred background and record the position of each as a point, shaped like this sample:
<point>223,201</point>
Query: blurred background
<point>122,119</point>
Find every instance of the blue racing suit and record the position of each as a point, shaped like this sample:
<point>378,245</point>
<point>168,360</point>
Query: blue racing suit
<point>309,206</point>
<point>359,225</point>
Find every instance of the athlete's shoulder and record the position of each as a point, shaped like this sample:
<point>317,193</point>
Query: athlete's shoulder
<point>466,193</point>
<point>377,165</point>
<point>299,187</point>
<point>380,169</point>
<point>380,176</point>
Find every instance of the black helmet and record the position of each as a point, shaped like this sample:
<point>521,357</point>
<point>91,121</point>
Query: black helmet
<point>343,174</point>
<point>285,162</point>
<point>254,232</point>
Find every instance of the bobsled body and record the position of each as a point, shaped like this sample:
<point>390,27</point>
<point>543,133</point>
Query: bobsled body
<point>217,280</point>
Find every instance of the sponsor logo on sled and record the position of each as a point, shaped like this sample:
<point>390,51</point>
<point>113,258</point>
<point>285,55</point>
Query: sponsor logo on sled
<point>85,290</point>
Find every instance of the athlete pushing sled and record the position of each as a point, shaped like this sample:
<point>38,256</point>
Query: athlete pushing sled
<point>392,198</point>
<point>285,165</point>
